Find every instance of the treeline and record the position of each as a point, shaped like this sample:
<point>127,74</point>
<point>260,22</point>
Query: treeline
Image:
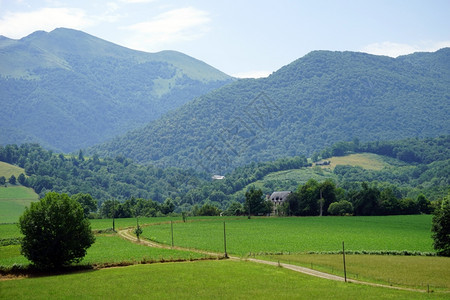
<point>104,179</point>
<point>314,198</point>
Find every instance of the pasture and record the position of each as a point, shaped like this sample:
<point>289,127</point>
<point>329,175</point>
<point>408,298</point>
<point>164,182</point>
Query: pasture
<point>407,271</point>
<point>225,279</point>
<point>299,234</point>
<point>13,200</point>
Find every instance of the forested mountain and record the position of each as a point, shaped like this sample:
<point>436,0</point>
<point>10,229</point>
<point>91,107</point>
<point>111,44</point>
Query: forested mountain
<point>315,101</point>
<point>68,90</point>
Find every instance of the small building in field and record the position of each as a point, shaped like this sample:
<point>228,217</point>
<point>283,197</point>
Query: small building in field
<point>323,163</point>
<point>278,198</point>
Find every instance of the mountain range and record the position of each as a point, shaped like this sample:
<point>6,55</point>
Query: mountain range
<point>67,90</point>
<point>315,101</point>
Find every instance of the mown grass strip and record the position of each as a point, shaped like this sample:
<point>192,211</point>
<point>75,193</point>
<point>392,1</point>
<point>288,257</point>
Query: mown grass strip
<point>197,280</point>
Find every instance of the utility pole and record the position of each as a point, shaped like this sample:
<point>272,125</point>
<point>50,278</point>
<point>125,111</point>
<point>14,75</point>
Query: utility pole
<point>171,230</point>
<point>114,213</point>
<point>225,240</point>
<point>343,255</point>
<point>321,202</point>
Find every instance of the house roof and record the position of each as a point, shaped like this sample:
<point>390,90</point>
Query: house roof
<point>280,195</point>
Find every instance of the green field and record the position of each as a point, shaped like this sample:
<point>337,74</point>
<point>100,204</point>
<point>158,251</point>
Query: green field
<point>410,271</point>
<point>197,280</point>
<point>7,170</point>
<point>300,234</point>
<point>13,200</point>
<point>107,249</point>
<point>368,161</point>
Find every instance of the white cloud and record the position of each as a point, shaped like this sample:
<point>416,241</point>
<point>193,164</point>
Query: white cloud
<point>183,24</point>
<point>137,1</point>
<point>252,74</point>
<point>396,49</point>
<point>20,24</point>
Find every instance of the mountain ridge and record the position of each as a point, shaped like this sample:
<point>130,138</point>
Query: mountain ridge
<point>321,98</point>
<point>89,88</point>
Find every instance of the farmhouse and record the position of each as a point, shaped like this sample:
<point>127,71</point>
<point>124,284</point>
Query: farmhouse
<point>278,198</point>
<point>323,163</point>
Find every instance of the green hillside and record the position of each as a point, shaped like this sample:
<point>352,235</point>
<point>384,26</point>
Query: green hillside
<point>68,90</point>
<point>13,200</point>
<point>317,100</point>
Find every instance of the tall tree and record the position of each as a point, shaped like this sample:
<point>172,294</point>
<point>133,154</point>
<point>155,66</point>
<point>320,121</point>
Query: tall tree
<point>441,228</point>
<point>56,233</point>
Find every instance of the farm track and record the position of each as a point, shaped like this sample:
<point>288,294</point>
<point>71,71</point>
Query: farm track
<point>126,234</point>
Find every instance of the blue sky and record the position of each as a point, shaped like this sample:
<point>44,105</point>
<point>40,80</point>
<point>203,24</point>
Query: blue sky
<point>242,38</point>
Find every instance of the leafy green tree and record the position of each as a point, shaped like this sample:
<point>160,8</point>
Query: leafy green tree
<point>235,209</point>
<point>340,208</point>
<point>21,179</point>
<point>255,203</point>
<point>423,204</point>
<point>12,179</point>
<point>208,210</point>
<point>441,228</point>
<point>56,233</point>
<point>2,180</point>
<point>87,202</point>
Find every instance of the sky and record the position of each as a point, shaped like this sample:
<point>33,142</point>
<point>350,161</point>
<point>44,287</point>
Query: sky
<point>242,38</point>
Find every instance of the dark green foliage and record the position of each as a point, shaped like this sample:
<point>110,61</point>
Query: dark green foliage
<point>441,228</point>
<point>208,210</point>
<point>340,208</point>
<point>21,179</point>
<point>102,179</point>
<point>56,233</point>
<point>2,180</point>
<point>12,179</point>
<point>255,204</point>
<point>320,99</point>
<point>72,90</point>
<point>87,203</point>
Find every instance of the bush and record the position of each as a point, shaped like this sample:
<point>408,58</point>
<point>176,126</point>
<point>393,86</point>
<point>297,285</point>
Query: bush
<point>340,208</point>
<point>56,233</point>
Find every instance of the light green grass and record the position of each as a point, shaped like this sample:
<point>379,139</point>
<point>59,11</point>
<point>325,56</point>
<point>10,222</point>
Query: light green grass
<point>7,170</point>
<point>368,161</point>
<point>300,234</point>
<point>197,280</point>
<point>13,200</point>
<point>107,249</point>
<point>409,271</point>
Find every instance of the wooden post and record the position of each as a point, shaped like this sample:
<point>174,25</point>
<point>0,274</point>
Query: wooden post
<point>225,240</point>
<point>343,255</point>
<point>171,230</point>
<point>114,213</point>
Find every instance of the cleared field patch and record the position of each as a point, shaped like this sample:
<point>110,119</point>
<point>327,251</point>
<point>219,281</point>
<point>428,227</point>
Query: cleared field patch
<point>13,200</point>
<point>300,234</point>
<point>408,271</point>
<point>197,280</point>
<point>368,161</point>
<point>7,170</point>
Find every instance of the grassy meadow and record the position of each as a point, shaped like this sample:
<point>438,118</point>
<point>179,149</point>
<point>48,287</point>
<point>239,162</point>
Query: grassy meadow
<point>299,234</point>
<point>408,271</point>
<point>13,200</point>
<point>225,279</point>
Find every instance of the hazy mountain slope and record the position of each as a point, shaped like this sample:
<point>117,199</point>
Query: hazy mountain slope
<point>313,102</point>
<point>67,89</point>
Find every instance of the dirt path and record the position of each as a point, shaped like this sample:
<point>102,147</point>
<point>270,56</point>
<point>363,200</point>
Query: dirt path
<point>126,234</point>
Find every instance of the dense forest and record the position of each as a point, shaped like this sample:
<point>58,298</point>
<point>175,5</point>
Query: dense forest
<point>318,100</point>
<point>422,172</point>
<point>68,90</point>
